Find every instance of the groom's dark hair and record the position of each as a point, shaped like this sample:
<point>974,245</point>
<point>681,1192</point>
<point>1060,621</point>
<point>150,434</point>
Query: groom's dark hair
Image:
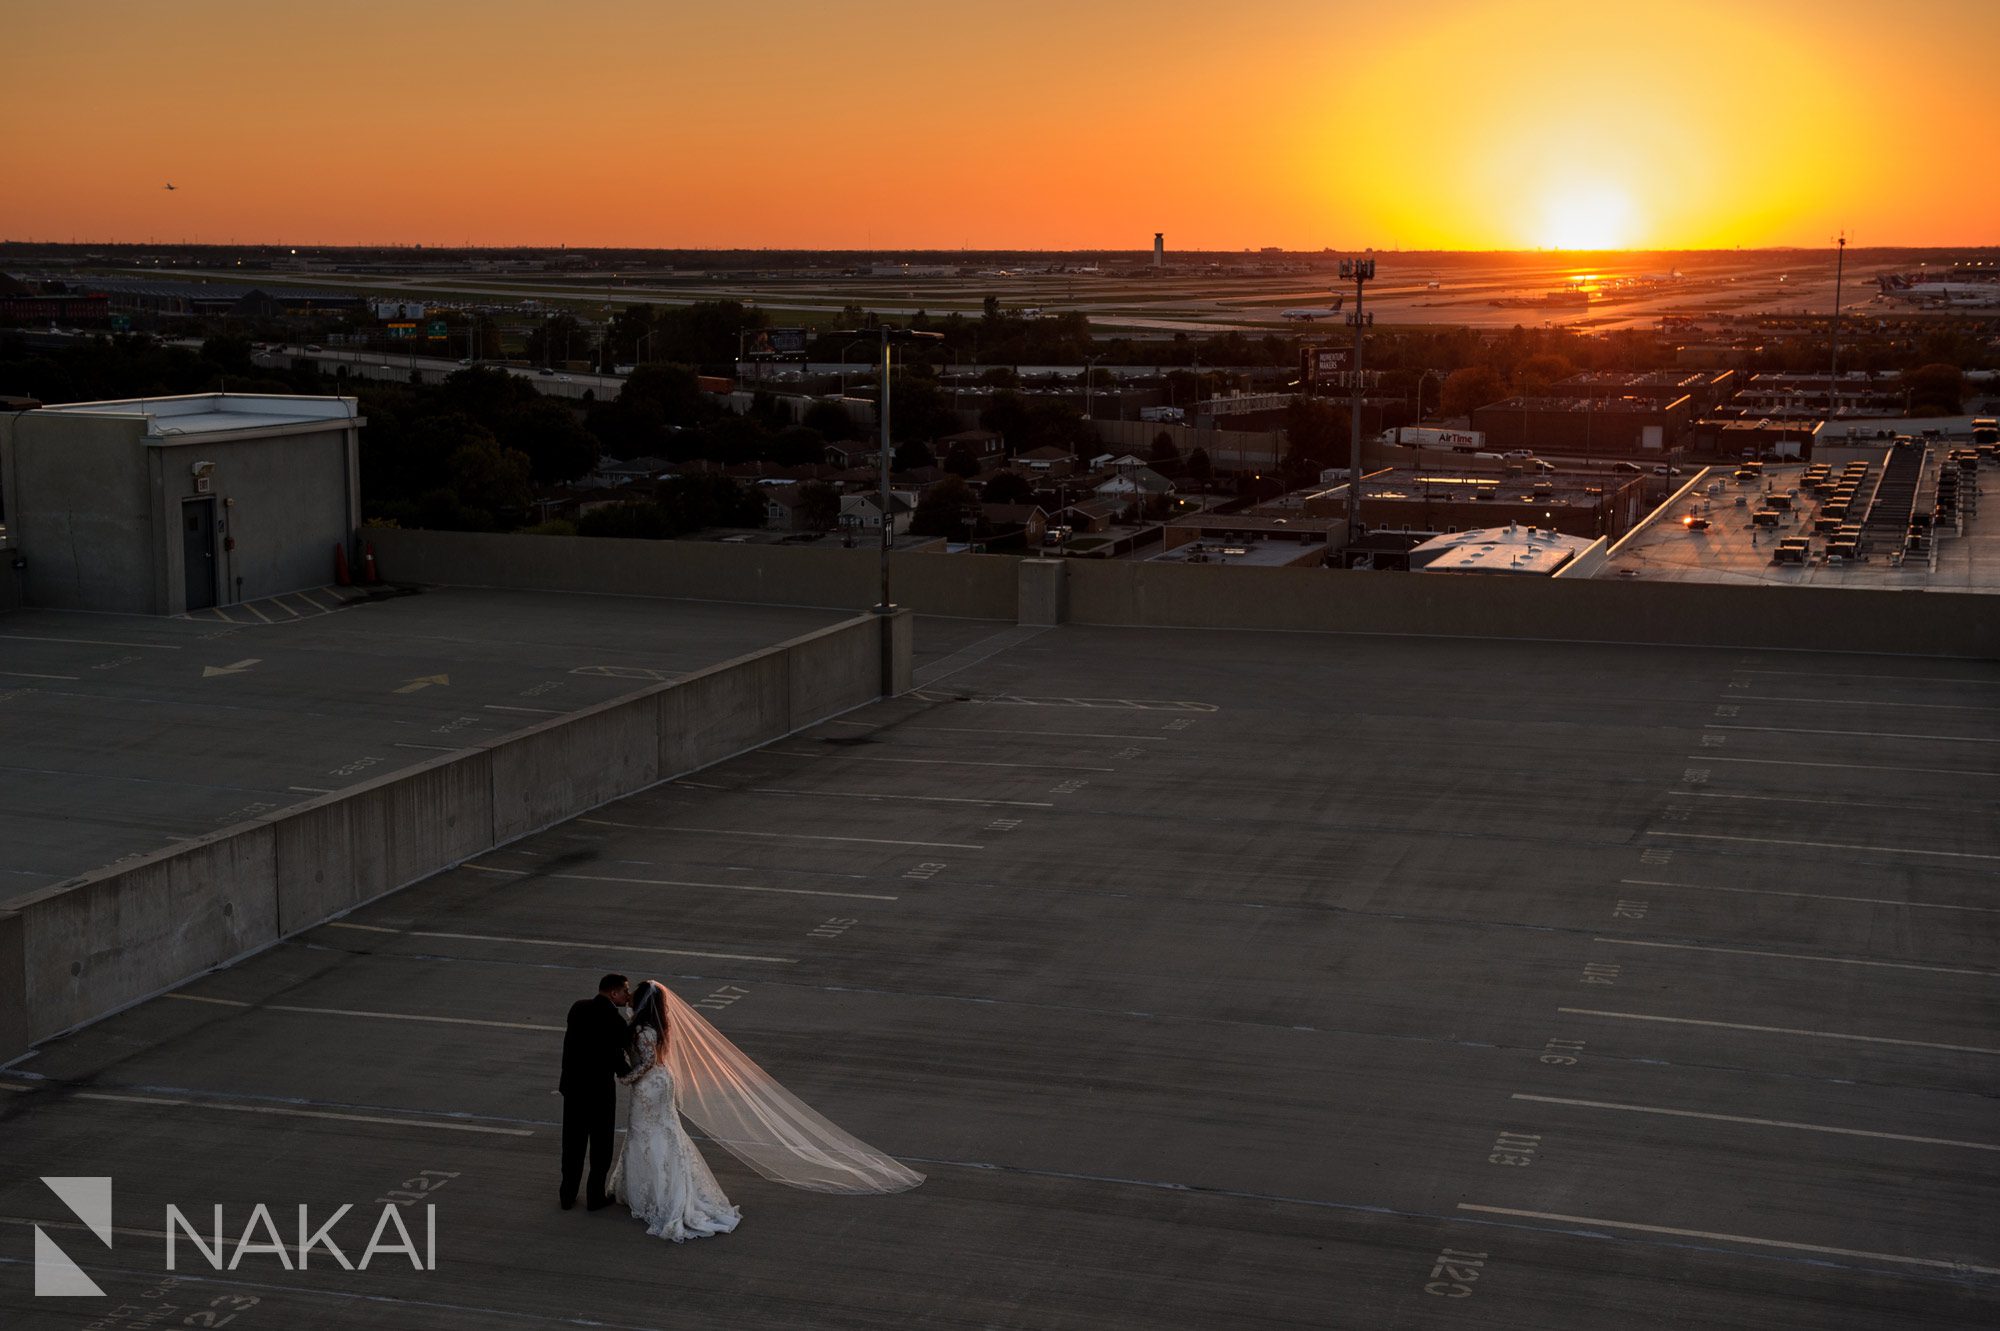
<point>610,982</point>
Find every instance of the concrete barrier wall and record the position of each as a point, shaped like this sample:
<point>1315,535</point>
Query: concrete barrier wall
<point>1446,605</point>
<point>80,950</point>
<point>1594,557</point>
<point>967,586</point>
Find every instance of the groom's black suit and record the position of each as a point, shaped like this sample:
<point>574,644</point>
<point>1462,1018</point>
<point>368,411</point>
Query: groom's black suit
<point>593,1059</point>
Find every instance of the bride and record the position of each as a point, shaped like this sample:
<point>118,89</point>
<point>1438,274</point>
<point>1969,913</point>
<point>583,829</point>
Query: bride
<point>682,1064</point>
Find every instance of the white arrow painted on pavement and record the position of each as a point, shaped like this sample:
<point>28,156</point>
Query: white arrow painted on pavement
<point>424,682</point>
<point>237,669</point>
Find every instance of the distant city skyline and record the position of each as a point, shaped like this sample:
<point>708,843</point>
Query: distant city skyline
<point>1425,124</point>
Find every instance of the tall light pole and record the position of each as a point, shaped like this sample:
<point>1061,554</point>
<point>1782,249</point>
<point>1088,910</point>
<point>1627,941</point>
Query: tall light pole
<point>1360,271</point>
<point>1833,368</point>
<point>890,336</point>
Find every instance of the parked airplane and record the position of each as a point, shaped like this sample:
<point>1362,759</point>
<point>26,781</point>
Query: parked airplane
<point>1308,315</point>
<point>1899,287</point>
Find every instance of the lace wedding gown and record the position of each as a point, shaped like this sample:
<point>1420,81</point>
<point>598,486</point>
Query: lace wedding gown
<point>658,1172</point>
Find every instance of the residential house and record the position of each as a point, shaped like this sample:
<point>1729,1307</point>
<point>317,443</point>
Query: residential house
<point>1048,461</point>
<point>863,512</point>
<point>1007,526</point>
<point>986,447</point>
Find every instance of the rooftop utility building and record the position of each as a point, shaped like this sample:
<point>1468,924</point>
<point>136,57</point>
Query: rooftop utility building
<point>165,505</point>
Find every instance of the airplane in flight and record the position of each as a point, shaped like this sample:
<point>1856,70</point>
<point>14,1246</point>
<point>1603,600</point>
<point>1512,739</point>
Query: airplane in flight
<point>170,184</point>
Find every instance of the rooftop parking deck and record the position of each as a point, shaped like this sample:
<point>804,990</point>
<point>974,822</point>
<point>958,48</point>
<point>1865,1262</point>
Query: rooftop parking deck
<point>120,734</point>
<point>1215,979</point>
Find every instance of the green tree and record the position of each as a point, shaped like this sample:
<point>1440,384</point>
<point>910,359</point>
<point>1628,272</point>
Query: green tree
<point>555,443</point>
<point>961,463</point>
<point>1470,388</point>
<point>831,420</point>
<point>489,479</point>
<point>1199,467</point>
<point>943,510</point>
<point>1934,390</point>
<point>1164,450</point>
<point>819,506</point>
<point>1007,487</point>
<point>912,455</point>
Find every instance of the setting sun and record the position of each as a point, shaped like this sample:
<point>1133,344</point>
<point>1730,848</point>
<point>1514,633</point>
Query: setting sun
<point>1589,217</point>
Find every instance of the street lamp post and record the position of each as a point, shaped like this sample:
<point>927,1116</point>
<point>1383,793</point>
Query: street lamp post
<point>1359,271</point>
<point>890,336</point>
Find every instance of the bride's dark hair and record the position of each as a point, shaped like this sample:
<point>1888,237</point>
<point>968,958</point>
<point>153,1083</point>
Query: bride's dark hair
<point>650,1013</point>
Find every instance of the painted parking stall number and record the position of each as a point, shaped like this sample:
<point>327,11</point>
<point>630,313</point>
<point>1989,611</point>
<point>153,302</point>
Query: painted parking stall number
<point>722,998</point>
<point>1069,787</point>
<point>1454,1273</point>
<point>1629,910</point>
<point>1003,824</point>
<point>833,928</point>
<point>1600,972</point>
<point>927,870</point>
<point>1514,1148</point>
<point>1561,1053</point>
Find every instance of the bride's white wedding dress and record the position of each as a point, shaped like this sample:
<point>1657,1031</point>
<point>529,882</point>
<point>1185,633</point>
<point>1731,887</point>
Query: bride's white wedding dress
<point>658,1172</point>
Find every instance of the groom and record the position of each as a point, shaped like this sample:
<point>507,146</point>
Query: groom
<point>593,1059</point>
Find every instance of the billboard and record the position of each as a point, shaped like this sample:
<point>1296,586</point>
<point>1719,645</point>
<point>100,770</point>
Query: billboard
<point>1317,364</point>
<point>776,343</point>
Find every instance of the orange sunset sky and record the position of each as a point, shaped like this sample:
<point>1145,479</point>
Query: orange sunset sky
<point>1078,124</point>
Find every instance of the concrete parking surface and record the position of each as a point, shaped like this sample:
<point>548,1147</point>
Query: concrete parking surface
<point>1215,979</point>
<point>122,733</point>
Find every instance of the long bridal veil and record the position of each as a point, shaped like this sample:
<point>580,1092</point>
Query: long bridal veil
<point>742,1109</point>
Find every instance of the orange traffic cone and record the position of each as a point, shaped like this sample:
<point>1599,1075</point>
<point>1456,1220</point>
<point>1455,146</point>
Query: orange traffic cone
<point>340,574</point>
<point>368,574</point>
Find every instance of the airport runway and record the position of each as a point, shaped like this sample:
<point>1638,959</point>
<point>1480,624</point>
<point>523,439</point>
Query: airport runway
<point>1214,979</point>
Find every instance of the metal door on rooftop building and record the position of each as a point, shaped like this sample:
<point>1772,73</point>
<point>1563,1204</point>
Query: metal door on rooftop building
<point>198,552</point>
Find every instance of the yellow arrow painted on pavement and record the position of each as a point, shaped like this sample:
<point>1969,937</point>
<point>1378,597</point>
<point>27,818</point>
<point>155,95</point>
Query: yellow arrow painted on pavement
<point>424,682</point>
<point>237,669</point>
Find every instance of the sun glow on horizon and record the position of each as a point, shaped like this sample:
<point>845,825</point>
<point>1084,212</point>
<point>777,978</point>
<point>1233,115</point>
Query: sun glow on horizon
<point>1595,216</point>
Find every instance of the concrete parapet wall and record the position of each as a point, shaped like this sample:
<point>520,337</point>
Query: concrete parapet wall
<point>1449,605</point>
<point>1588,562</point>
<point>968,586</point>
<point>83,949</point>
<point>99,942</point>
<point>554,770</point>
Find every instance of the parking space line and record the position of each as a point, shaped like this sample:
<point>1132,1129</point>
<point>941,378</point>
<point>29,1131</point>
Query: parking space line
<point>1869,702</point>
<point>559,942</point>
<point>1793,799</point>
<point>675,882</point>
<point>1755,1122</point>
<point>864,795</point>
<point>1842,674</point>
<point>780,836</point>
<point>284,1111</point>
<point>92,642</point>
<point>1798,956</point>
<point>362,1012</point>
<point>1810,896</point>
<point>983,730</point>
<point>543,711</point>
<point>22,674</point>
<point>311,790</point>
<point>1862,734</point>
<point>1961,1268</point>
<point>1845,767</point>
<point>936,762</point>
<point>1777,1030</point>
<point>251,607</point>
<point>437,748</point>
<point>1829,845</point>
